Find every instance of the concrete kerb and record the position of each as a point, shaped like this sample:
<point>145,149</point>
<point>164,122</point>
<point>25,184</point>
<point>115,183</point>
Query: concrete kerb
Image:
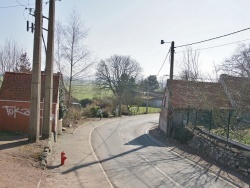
<point>96,158</point>
<point>45,155</point>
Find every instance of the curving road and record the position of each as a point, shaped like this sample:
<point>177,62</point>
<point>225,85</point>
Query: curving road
<point>131,158</point>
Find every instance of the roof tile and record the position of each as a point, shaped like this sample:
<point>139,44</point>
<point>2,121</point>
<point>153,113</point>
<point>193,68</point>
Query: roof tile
<point>17,86</point>
<point>199,95</point>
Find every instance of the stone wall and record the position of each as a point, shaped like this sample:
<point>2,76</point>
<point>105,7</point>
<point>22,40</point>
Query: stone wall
<point>224,153</point>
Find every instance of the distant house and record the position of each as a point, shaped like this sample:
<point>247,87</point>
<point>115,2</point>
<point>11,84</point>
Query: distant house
<point>154,99</point>
<point>15,96</point>
<point>190,95</point>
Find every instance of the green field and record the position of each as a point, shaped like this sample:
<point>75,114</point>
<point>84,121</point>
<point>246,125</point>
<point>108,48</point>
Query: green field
<point>87,91</point>
<point>142,110</point>
<point>83,91</point>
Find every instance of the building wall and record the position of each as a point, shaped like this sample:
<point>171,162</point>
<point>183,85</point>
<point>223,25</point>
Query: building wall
<point>163,119</point>
<point>178,118</point>
<point>155,103</point>
<point>14,116</point>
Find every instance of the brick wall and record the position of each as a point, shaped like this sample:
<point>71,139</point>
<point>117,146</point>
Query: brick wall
<point>14,116</point>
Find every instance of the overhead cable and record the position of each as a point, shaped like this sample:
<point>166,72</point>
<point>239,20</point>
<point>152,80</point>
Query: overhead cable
<point>216,46</point>
<point>163,62</point>
<point>212,38</point>
<point>12,6</point>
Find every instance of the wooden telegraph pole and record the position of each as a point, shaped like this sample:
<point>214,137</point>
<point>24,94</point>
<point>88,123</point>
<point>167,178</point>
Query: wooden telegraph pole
<point>48,95</point>
<point>34,122</point>
<point>170,108</point>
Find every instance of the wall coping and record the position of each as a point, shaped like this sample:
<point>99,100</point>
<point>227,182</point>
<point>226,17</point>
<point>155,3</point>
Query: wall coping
<point>227,140</point>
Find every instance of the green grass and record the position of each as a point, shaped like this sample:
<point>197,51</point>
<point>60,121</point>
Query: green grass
<point>88,91</point>
<point>245,138</point>
<point>84,91</point>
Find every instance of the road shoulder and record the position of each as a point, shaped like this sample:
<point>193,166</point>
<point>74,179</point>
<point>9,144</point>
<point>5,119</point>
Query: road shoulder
<point>81,168</point>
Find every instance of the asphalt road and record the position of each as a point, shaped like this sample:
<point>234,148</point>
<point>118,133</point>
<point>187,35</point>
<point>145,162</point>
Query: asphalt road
<point>131,158</point>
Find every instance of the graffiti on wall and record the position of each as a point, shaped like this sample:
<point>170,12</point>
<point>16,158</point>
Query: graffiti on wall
<point>13,110</point>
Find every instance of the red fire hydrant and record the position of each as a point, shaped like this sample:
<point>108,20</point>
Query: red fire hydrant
<point>63,157</point>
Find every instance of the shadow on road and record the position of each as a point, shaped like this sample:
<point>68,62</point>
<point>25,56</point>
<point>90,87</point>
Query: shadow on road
<point>199,159</point>
<point>102,161</point>
<point>143,141</point>
<point>182,150</point>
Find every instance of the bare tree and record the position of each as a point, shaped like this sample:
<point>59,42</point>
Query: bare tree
<point>117,73</point>
<point>239,63</point>
<point>73,58</point>
<point>189,66</point>
<point>58,45</point>
<point>10,54</point>
<point>24,64</point>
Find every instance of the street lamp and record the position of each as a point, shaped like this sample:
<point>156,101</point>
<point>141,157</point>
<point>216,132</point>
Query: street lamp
<point>163,42</point>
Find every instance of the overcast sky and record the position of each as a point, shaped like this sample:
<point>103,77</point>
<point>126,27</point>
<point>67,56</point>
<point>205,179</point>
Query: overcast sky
<point>135,27</point>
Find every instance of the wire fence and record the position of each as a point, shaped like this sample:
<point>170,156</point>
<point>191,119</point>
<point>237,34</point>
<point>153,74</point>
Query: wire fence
<point>220,122</point>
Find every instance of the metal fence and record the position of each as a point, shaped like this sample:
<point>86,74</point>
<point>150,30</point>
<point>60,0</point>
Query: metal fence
<point>220,122</point>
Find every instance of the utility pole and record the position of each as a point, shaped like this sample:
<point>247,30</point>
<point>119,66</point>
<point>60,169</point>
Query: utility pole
<point>48,95</point>
<point>34,122</point>
<point>170,108</point>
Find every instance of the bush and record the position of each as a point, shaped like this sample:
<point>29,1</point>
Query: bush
<point>71,115</point>
<point>182,134</point>
<point>106,114</point>
<point>94,110</point>
<point>86,112</point>
<point>85,102</point>
<point>125,111</point>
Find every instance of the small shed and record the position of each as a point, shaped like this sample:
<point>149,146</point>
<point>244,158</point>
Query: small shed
<point>15,96</point>
<point>191,95</point>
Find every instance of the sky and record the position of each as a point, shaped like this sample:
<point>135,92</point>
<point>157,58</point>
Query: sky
<point>136,27</point>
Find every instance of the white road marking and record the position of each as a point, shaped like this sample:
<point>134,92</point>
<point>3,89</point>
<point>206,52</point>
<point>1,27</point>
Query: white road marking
<point>96,158</point>
<point>153,165</point>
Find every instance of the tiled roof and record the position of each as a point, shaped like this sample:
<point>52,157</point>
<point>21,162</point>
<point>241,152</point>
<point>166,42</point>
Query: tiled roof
<point>238,88</point>
<point>17,86</point>
<point>199,95</point>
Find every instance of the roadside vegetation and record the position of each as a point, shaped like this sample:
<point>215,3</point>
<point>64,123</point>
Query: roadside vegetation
<point>90,102</point>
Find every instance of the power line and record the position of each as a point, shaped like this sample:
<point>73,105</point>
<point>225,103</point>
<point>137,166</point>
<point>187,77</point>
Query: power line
<point>217,46</point>
<point>12,6</point>
<point>213,38</point>
<point>163,62</point>
<point>20,4</point>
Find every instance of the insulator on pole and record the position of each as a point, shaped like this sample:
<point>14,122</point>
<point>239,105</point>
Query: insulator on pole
<point>32,27</point>
<point>27,26</point>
